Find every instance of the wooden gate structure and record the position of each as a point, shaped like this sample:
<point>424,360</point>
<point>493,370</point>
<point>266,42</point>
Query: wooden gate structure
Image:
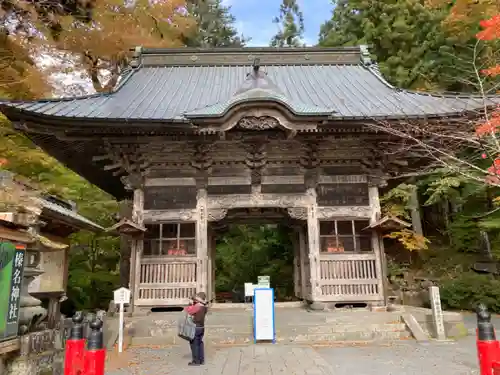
<point>192,136</point>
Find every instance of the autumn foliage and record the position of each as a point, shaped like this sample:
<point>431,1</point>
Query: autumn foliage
<point>487,131</point>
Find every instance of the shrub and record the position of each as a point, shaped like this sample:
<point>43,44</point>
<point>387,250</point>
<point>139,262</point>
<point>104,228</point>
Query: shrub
<point>468,289</point>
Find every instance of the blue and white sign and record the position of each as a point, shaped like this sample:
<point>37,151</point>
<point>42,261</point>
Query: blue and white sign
<point>263,315</point>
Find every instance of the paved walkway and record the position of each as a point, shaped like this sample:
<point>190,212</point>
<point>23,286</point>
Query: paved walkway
<point>404,358</point>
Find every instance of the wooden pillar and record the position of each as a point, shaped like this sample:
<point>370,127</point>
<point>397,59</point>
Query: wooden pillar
<point>416,219</point>
<point>313,242</point>
<point>137,247</point>
<point>302,256</point>
<point>296,263</point>
<point>211,264</point>
<point>202,242</point>
<point>125,211</point>
<point>378,246</point>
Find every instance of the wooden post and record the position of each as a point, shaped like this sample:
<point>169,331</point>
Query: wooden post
<point>377,244</point>
<point>296,263</point>
<point>313,237</point>
<point>416,219</point>
<point>137,246</point>
<point>302,255</point>
<point>202,242</point>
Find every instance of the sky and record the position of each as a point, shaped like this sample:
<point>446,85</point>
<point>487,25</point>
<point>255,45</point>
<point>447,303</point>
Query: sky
<point>254,18</point>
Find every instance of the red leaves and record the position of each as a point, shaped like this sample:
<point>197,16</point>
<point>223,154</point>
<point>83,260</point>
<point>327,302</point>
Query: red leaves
<point>3,162</point>
<point>491,29</point>
<point>490,126</point>
<point>494,173</point>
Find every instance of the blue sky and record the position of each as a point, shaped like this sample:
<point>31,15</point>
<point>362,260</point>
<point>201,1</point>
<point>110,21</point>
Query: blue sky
<point>254,18</point>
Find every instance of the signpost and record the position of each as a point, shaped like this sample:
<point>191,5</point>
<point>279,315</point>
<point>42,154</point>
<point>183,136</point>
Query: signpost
<point>263,315</point>
<point>121,297</point>
<point>264,281</point>
<point>11,276</point>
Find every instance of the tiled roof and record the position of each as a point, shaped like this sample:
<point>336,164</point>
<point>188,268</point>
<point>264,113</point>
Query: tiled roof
<point>75,216</point>
<point>177,90</point>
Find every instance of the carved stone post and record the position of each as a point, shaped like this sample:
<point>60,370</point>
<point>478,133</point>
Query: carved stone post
<point>378,245</point>
<point>202,242</point>
<point>137,246</point>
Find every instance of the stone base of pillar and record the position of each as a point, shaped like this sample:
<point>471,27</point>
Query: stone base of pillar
<point>316,306</point>
<point>139,311</point>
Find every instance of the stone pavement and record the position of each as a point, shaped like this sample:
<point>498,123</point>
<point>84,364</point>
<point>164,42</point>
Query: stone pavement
<point>402,358</point>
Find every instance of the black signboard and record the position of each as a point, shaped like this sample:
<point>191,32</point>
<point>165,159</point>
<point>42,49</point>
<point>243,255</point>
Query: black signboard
<point>11,277</point>
<point>342,194</point>
<point>283,188</point>
<point>169,197</point>
<point>229,189</point>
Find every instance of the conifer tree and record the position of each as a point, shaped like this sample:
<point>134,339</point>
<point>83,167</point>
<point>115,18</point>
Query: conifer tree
<point>291,25</point>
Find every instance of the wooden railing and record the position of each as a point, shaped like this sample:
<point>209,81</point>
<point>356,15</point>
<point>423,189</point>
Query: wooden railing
<point>349,277</point>
<point>166,281</point>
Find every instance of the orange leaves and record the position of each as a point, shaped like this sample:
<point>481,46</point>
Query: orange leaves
<point>494,71</point>
<point>491,29</point>
<point>490,126</point>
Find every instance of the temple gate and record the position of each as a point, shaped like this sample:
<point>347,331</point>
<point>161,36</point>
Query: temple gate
<point>192,136</point>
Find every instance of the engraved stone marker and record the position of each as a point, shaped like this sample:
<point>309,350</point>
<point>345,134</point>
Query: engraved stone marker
<point>342,194</point>
<point>169,197</point>
<point>437,312</point>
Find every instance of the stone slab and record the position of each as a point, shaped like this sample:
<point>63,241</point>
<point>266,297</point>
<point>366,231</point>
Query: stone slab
<point>265,359</point>
<point>415,328</point>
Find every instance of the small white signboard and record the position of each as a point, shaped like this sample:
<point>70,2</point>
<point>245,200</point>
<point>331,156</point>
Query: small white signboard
<point>121,297</point>
<point>249,288</point>
<point>264,281</point>
<point>263,315</point>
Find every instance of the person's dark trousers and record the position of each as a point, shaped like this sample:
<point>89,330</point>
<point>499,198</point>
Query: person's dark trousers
<point>197,347</point>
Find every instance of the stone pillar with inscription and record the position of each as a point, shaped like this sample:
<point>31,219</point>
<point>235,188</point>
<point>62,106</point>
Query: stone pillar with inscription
<point>377,242</point>
<point>137,246</point>
<point>202,241</point>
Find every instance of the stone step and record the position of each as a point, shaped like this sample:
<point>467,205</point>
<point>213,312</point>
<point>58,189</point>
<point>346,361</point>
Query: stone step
<point>304,338</point>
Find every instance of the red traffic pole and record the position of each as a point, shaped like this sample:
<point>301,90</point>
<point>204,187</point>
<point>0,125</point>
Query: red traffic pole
<point>95,355</point>
<point>487,345</point>
<point>75,347</point>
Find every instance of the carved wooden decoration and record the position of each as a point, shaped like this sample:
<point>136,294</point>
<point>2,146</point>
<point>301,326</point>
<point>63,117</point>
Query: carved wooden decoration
<point>299,213</point>
<point>258,123</point>
<point>216,214</point>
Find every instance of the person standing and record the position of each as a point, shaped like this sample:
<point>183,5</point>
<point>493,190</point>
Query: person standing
<point>198,310</point>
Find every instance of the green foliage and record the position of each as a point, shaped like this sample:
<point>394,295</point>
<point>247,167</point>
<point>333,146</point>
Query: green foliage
<point>468,289</point>
<point>291,23</point>
<point>407,38</point>
<point>216,25</point>
<point>246,252</point>
<point>396,202</point>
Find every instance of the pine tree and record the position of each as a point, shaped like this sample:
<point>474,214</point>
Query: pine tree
<point>291,23</point>
<point>215,25</point>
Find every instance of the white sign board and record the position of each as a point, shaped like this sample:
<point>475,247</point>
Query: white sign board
<point>264,281</point>
<point>437,312</point>
<point>249,288</point>
<point>263,314</point>
<point>121,296</point>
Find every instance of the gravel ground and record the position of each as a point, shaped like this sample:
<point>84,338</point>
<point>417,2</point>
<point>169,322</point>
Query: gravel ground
<point>401,358</point>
